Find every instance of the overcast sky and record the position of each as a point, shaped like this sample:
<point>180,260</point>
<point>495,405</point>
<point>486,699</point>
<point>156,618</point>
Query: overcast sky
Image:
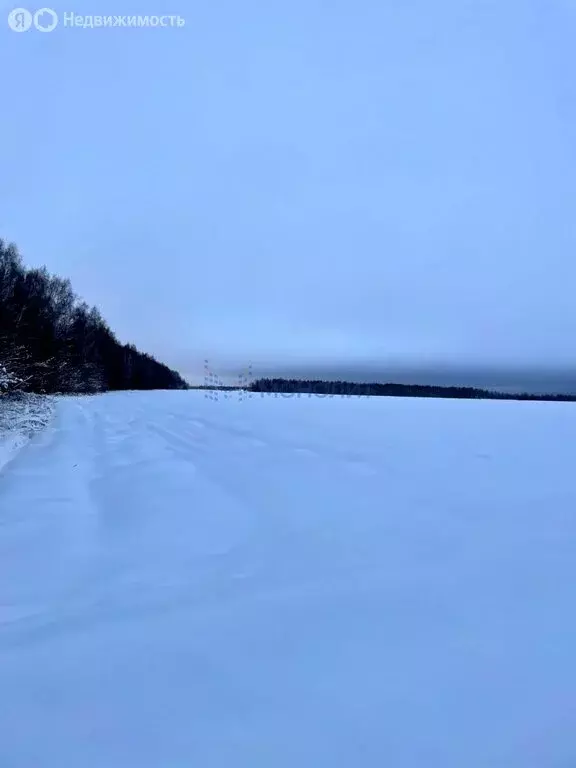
<point>384,180</point>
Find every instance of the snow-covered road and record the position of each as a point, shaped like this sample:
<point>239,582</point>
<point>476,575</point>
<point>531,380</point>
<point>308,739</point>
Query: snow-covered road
<point>289,582</point>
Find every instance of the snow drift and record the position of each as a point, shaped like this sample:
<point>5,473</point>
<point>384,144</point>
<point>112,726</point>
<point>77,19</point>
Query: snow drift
<point>289,581</point>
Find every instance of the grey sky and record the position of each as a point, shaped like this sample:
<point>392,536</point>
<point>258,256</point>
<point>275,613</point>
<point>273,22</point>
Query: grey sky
<point>389,182</point>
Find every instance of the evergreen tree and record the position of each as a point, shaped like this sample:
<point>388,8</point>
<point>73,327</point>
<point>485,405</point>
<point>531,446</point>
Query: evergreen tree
<point>50,341</point>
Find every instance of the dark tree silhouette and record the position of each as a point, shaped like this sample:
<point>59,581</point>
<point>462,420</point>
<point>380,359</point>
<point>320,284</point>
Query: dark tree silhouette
<point>348,389</point>
<point>50,341</point>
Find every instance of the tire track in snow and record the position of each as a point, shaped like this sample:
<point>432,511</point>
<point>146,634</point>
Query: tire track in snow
<point>117,462</point>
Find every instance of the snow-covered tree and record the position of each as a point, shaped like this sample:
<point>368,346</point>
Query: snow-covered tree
<point>50,341</point>
<point>8,381</point>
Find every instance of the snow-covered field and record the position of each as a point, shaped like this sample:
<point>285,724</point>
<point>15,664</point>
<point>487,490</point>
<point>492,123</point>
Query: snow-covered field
<point>301,582</point>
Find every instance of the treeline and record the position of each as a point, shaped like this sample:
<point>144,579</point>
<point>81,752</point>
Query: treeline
<point>349,389</point>
<point>52,342</point>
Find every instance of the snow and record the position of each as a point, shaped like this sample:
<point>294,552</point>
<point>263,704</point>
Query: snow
<point>289,582</point>
<point>21,416</point>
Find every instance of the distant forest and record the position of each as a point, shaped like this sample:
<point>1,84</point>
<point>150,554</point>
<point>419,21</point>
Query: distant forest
<point>348,389</point>
<point>52,342</point>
